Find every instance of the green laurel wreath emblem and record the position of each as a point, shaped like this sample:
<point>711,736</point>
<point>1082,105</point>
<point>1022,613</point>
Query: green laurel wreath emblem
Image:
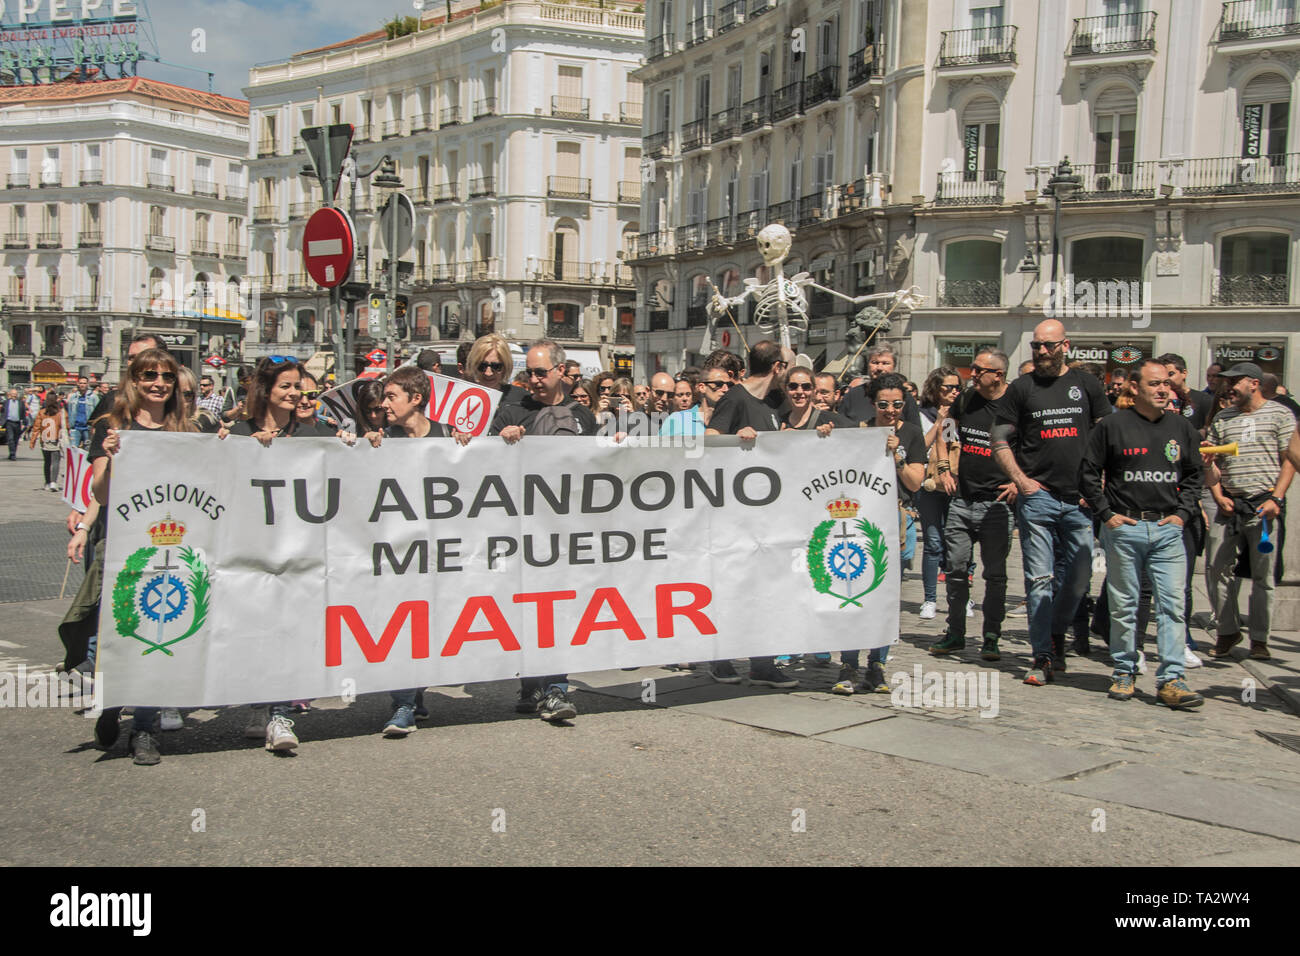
<point>127,618</point>
<point>877,551</point>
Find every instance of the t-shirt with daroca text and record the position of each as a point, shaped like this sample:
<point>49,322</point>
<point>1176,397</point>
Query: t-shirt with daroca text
<point>1052,418</point>
<point>979,477</point>
<point>738,408</point>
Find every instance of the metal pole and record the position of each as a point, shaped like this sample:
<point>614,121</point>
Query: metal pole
<point>345,362</point>
<point>389,342</point>
<point>1056,240</point>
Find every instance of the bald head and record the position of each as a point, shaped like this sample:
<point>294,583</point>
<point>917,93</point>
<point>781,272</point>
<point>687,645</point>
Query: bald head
<point>1048,348</point>
<point>661,391</point>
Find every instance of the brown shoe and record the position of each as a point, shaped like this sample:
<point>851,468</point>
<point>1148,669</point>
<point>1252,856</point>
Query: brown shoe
<point>1224,645</point>
<point>1259,651</point>
<point>1176,694</point>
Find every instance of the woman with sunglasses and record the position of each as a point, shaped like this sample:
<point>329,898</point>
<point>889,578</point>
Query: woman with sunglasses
<point>306,411</point>
<point>803,414</point>
<point>583,394</point>
<point>491,365</point>
<point>941,389</point>
<point>148,400</point>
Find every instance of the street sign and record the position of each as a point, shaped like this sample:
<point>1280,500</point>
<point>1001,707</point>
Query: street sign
<point>328,147</point>
<point>376,356</point>
<point>377,320</point>
<point>327,244</point>
<point>399,204</point>
<point>216,361</point>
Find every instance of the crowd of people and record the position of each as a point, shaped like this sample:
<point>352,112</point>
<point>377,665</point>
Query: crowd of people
<point>1051,456</point>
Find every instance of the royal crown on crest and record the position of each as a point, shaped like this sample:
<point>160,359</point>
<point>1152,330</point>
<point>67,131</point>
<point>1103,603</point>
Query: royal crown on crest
<point>167,532</point>
<point>843,508</point>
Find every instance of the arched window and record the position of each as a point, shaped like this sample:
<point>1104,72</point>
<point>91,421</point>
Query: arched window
<point>421,330</point>
<point>306,323</point>
<point>981,137</point>
<point>1265,116</point>
<point>200,299</point>
<point>561,260</point>
<point>158,292</point>
<point>972,274</point>
<point>449,320</point>
<point>696,317</point>
<point>1114,129</point>
<point>486,318</point>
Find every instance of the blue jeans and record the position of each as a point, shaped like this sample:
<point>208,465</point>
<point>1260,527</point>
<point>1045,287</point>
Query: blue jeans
<point>933,509</point>
<point>1052,594</point>
<point>1156,551</point>
<point>80,436</point>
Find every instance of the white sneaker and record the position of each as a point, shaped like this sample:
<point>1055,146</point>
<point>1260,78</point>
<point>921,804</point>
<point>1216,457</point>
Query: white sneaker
<point>52,486</point>
<point>171,719</point>
<point>280,735</point>
<point>256,727</point>
<point>928,610</point>
<point>1190,659</point>
<point>970,608</point>
<point>1142,662</point>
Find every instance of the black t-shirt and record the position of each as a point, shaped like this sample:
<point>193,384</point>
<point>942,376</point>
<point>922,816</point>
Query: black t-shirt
<point>858,406</point>
<point>1147,466</point>
<point>739,408</point>
<point>979,478</point>
<point>1052,418</point>
<point>98,432</point>
<point>524,411</point>
<point>436,430</point>
<point>1198,409</point>
<point>819,417</point>
<point>312,429</point>
<point>910,451</point>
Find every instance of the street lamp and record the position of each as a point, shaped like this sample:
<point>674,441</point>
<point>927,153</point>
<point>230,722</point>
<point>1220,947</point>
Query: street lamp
<point>1061,186</point>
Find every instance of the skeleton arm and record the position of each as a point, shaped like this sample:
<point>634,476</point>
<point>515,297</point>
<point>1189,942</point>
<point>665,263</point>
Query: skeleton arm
<point>909,298</point>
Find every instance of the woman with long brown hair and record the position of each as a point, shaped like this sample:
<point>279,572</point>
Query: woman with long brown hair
<point>50,425</point>
<point>941,389</point>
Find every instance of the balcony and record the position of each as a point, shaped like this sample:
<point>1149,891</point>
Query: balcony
<point>695,135</point>
<point>50,180</point>
<point>391,128</point>
<point>759,7</point>
<point>700,29</point>
<point>1118,33</point>
<point>726,124</point>
<point>234,251</point>
<point>660,47</point>
<point>566,270</point>
<point>90,239</point>
<point>441,274</point>
<point>47,303</point>
<point>85,303</point>
<point>300,282</point>
<point>561,329</point>
<point>264,213</point>
<point>91,177</point>
<point>1251,289</point>
<point>570,107</point>
<point>49,240</point>
<point>629,113</point>
<point>1235,176</point>
<point>18,181</point>
<point>647,245</point>
<point>449,117</point>
<point>978,47</point>
<point>568,187</point>
<point>236,193</point>
<point>756,113</point>
<point>205,189</point>
<point>301,210</point>
<point>731,15</point>
<point>265,147</point>
<point>486,186</point>
<point>981,187</point>
<point>446,192</point>
<point>1116,181</point>
<point>629,191</point>
<point>719,232</point>
<point>658,145</point>
<point>822,86</point>
<point>812,209</point>
<point>1257,20</point>
<point>421,122</point>
<point>363,133</point>
<point>161,181</point>
<point>690,238</point>
<point>205,249</point>
<point>160,243</point>
<point>969,293</point>
<point>485,107</point>
<point>786,101</point>
<point>659,320</point>
<point>623,276</point>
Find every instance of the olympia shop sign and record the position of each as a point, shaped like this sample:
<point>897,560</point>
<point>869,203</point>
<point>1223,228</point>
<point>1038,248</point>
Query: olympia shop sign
<point>237,573</point>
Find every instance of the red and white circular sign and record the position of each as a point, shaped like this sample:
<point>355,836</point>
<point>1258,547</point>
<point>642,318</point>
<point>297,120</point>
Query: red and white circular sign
<point>327,246</point>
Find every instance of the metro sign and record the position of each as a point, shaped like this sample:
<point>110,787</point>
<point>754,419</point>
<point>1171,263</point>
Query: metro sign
<point>377,357</point>
<point>327,245</point>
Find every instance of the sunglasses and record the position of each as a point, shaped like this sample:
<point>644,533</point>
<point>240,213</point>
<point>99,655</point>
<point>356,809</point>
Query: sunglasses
<point>152,376</point>
<point>885,406</point>
<point>662,393</point>
<point>606,389</point>
<point>540,372</point>
<point>312,393</point>
<point>799,387</point>
<point>188,395</point>
<point>281,359</point>
<point>977,370</point>
<point>1049,346</point>
<point>491,366</point>
<point>949,388</point>
<point>714,386</point>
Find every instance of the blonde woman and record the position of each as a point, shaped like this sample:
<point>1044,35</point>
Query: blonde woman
<point>491,365</point>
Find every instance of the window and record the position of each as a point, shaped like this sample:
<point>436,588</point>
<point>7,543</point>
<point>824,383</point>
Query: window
<point>702,91</point>
<point>18,220</point>
<point>972,274</point>
<point>564,250</point>
<point>20,163</point>
<point>234,230</point>
<point>1114,120</point>
<point>828,38</point>
<point>94,341</point>
<point>486,318</point>
<point>202,227</point>
<point>568,159</point>
<point>1253,269</point>
<point>569,82</point>
<point>50,167</point>
<point>50,218</point>
<point>336,113</point>
<point>981,136</point>
<point>53,335</point>
<point>90,222</point>
<point>986,17</point>
<point>157,217</point>
<point>270,325</point>
<point>94,162</point>
<point>306,322</point>
<point>1266,107</point>
<point>562,320</point>
<point>420,330</point>
<point>21,336</point>
<point>449,325</point>
<point>1112,267</point>
<point>665,111</point>
<point>203,180</point>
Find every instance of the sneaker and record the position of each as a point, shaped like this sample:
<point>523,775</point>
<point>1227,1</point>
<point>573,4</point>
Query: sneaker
<point>529,701</point>
<point>1020,610</point>
<point>989,652</point>
<point>1058,652</point>
<point>1040,674</point>
<point>1224,645</point>
<point>144,750</point>
<point>947,644</point>
<point>1122,687</point>
<point>557,706</point>
<point>875,682</point>
<point>1190,659</point>
<point>255,729</point>
<point>1082,646</point>
<point>280,736</point>
<point>784,661</point>
<point>107,727</point>
<point>421,712</point>
<point>1259,651</point>
<point>1142,662</point>
<point>171,719</point>
<point>771,676</point>
<point>822,659</point>
<point>724,673</point>
<point>849,682</point>
<point>401,723</point>
<point>928,610</point>
<point>1178,696</point>
<point>970,608</point>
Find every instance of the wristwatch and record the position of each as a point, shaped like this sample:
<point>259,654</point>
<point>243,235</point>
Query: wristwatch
<point>82,526</point>
<point>1276,500</point>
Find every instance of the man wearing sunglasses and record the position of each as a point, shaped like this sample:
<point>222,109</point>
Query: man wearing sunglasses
<point>857,403</point>
<point>694,420</point>
<point>977,513</point>
<point>1048,414</point>
<point>661,393</point>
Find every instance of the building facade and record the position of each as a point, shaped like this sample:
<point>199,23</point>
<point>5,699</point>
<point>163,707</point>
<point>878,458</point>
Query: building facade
<point>125,204</point>
<point>515,128</point>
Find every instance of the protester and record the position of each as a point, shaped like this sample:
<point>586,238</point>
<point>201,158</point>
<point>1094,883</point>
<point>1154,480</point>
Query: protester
<point>857,403</point>
<point>825,395</point>
<point>729,362</point>
<point>1213,378</point>
<point>50,427</point>
<point>1272,390</point>
<point>1048,414</point>
<point>583,394</point>
<point>695,420</point>
<point>641,397</point>
<point>1196,406</point>
<point>307,412</point>
<point>210,400</point>
<point>1249,489</point>
<point>804,414</point>
<point>942,386</point>
<point>1142,477</point>
<point>1116,387</point>
<point>81,411</point>
<point>685,391</point>
<point>370,408</point>
<point>572,373</point>
<point>15,419</point>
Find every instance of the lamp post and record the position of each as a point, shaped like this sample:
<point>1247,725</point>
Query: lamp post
<point>1061,186</point>
<point>388,179</point>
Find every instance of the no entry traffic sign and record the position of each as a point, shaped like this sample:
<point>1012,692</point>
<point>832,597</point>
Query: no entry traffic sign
<point>327,246</point>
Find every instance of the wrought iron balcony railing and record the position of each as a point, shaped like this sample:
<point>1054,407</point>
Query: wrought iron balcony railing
<point>695,135</point>
<point>204,188</point>
<point>719,232</point>
<point>485,107</point>
<point>392,127</point>
<point>629,113</point>
<point>1117,33</point>
<point>866,64</point>
<point>236,193</point>
<point>421,122</point>
<point>484,186</point>
<point>731,15</point>
<point>660,47</point>
<point>658,144</point>
<point>571,107</point>
<point>756,113</point>
<point>969,293</point>
<point>1116,181</point>
<point>91,177</point>
<point>568,187</point>
<point>1252,289</point>
<point>786,101</point>
<point>1258,19</point>
<point>979,187</point>
<point>449,116</point>
<point>18,181</point>
<point>264,213</point>
<point>564,270</point>
<point>205,249</point>
<point>90,239</point>
<point>49,240</point>
<point>629,191</point>
<point>161,181</point>
<point>233,250</point>
<point>265,147</point>
<point>446,192</point>
<point>1234,175</point>
<point>700,29</point>
<point>690,238</point>
<point>980,46</point>
<point>726,123</point>
<point>659,320</point>
<point>821,86</point>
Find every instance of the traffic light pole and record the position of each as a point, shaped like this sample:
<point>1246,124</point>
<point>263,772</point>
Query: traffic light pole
<point>390,342</point>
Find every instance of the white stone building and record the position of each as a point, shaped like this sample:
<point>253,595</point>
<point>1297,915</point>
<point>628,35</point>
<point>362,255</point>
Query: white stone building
<point>124,211</point>
<point>516,132</point>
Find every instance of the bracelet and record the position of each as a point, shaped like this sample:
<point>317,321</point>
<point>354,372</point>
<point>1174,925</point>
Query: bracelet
<point>82,526</point>
<point>944,465</point>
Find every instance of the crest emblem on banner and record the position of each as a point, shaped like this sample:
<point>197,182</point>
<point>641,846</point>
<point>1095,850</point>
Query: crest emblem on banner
<point>853,558</point>
<point>161,601</point>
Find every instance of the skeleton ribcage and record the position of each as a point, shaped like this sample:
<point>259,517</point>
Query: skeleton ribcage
<point>767,311</point>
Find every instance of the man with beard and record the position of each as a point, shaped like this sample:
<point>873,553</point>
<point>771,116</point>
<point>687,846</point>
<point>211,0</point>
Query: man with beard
<point>695,419</point>
<point>857,403</point>
<point>1048,415</point>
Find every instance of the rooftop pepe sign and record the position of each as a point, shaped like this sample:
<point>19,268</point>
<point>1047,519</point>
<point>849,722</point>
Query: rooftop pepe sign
<point>43,41</point>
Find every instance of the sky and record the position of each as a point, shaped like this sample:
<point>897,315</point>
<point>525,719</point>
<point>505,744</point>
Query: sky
<point>240,33</point>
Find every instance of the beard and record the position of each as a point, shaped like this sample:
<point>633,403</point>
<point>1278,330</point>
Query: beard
<point>1050,364</point>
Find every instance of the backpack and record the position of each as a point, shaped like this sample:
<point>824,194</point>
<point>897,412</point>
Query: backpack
<point>555,420</point>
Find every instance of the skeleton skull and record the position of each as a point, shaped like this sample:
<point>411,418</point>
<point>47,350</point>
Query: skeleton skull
<point>774,243</point>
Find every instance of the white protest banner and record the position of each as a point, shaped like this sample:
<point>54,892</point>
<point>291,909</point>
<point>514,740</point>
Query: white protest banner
<point>463,405</point>
<point>77,475</point>
<point>237,573</point>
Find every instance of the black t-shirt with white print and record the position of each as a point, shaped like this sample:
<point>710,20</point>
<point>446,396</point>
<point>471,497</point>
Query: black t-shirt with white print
<point>1052,418</point>
<point>979,477</point>
<point>739,408</point>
